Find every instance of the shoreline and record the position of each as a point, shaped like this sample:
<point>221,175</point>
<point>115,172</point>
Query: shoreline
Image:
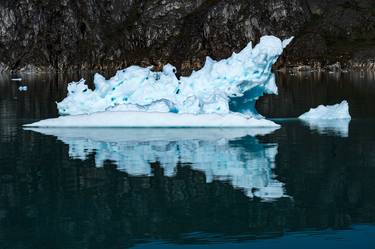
<point>309,67</point>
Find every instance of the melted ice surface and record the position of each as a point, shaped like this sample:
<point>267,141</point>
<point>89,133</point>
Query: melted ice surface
<point>231,155</point>
<point>206,91</point>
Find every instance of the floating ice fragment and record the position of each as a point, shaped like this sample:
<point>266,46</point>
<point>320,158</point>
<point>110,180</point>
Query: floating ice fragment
<point>332,119</point>
<point>338,111</point>
<point>22,88</point>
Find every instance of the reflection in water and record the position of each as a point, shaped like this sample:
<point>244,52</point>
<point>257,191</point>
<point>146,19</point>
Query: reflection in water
<point>339,127</point>
<point>49,200</point>
<point>222,154</point>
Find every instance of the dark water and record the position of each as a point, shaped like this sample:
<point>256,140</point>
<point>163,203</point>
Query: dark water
<point>301,186</point>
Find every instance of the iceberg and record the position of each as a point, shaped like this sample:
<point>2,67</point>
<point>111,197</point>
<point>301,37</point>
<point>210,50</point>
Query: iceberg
<point>230,155</point>
<point>329,112</point>
<point>330,119</point>
<point>220,91</point>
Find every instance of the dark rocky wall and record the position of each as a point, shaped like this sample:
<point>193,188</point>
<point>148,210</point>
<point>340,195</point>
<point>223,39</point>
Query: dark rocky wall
<point>338,31</point>
<point>110,34</point>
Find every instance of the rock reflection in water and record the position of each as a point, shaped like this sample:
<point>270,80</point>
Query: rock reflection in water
<point>231,155</point>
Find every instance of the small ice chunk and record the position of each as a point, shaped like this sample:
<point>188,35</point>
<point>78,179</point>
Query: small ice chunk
<point>338,111</point>
<point>22,88</point>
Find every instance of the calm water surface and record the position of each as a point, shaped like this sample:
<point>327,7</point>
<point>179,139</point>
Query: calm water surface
<point>305,185</point>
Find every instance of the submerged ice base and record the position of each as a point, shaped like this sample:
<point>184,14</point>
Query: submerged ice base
<point>229,155</point>
<point>153,119</point>
<point>245,76</point>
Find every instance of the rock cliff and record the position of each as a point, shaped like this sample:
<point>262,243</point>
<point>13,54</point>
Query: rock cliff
<point>111,34</point>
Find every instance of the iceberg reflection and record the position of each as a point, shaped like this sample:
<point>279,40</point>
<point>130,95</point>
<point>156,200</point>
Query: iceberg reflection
<point>336,127</point>
<point>232,155</point>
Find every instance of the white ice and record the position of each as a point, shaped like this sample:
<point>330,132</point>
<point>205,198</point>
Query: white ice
<point>230,155</point>
<point>329,112</point>
<point>22,88</point>
<point>154,119</point>
<point>330,119</point>
<point>245,75</point>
